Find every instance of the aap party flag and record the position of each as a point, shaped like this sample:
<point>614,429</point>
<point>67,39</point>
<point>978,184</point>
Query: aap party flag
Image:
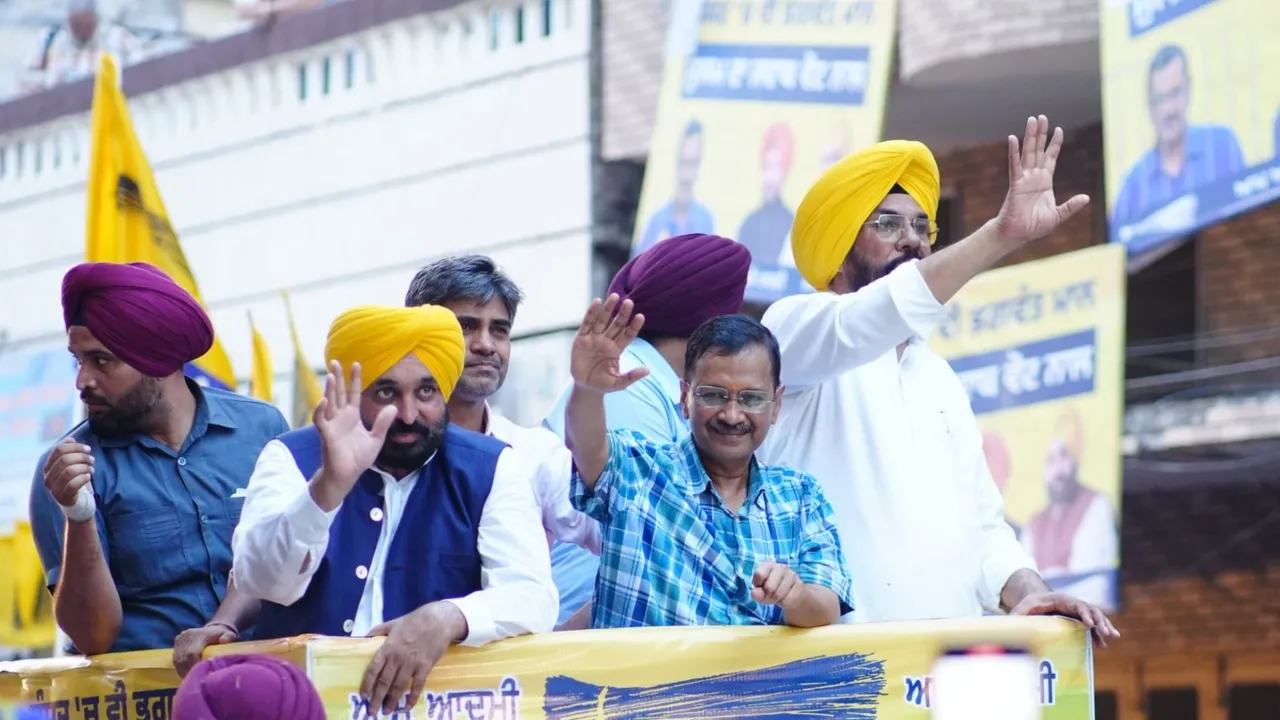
<point>127,221</point>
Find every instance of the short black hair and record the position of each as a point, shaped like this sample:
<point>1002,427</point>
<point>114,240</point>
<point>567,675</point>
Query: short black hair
<point>730,335</point>
<point>1164,57</point>
<point>465,277</point>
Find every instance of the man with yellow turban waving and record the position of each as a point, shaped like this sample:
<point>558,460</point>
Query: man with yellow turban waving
<point>879,419</point>
<point>385,519</point>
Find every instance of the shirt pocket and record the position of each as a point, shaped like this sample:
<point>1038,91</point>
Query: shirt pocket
<point>147,548</point>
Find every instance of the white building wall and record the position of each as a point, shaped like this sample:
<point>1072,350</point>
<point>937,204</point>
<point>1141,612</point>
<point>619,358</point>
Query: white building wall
<point>450,137</point>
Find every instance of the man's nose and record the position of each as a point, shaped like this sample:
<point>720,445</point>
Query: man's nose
<point>482,343</point>
<point>731,413</point>
<point>407,412</point>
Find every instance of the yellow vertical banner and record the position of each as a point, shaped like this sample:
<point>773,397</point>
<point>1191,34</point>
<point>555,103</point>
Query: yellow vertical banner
<point>126,219</point>
<point>1039,347</point>
<point>1191,114</point>
<point>757,99</point>
<point>260,379</point>
<point>307,391</point>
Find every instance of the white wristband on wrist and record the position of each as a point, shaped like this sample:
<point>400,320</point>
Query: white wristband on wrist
<point>84,508</point>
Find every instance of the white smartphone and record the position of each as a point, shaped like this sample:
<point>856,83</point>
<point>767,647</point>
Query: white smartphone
<point>983,682</point>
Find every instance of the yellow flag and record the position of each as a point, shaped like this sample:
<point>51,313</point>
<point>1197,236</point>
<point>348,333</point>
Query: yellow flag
<point>260,381</point>
<point>306,388</point>
<point>127,221</point>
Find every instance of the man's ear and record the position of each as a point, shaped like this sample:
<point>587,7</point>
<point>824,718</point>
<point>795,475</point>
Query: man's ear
<point>777,404</point>
<point>686,396</point>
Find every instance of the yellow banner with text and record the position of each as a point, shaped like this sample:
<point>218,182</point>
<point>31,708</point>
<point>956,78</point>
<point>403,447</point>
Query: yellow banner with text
<point>850,671</point>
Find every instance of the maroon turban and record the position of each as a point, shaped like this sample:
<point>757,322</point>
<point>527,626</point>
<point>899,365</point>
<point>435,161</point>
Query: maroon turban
<point>140,314</point>
<point>684,281</point>
<point>247,687</point>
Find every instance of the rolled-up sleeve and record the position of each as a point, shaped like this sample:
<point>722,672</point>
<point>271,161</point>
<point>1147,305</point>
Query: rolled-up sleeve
<point>282,534</point>
<point>823,335</point>
<point>821,557</point>
<point>517,595</point>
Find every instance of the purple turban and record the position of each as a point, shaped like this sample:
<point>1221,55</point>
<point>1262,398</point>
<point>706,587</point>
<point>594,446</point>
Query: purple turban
<point>140,314</point>
<point>684,281</point>
<point>247,687</point>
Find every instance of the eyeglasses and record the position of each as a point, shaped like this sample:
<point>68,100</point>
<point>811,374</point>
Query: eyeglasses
<point>714,398</point>
<point>891,227</point>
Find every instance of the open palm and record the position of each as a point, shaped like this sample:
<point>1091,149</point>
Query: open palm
<point>600,342</point>
<point>349,447</point>
<point>1030,210</point>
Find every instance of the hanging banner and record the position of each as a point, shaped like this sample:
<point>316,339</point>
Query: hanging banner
<point>1040,349</point>
<point>849,671</point>
<point>1191,114</point>
<point>757,99</point>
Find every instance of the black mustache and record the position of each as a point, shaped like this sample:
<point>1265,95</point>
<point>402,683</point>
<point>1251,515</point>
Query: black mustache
<point>92,399</point>
<point>398,428</point>
<point>727,429</point>
<point>906,257</point>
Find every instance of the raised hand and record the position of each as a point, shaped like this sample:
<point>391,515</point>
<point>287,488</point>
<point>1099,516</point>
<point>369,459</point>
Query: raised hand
<point>593,361</point>
<point>1030,211</point>
<point>68,468</point>
<point>349,447</point>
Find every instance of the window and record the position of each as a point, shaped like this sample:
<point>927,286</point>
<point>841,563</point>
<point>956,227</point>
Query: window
<point>1254,702</point>
<point>519,19</point>
<point>546,18</point>
<point>495,28</point>
<point>1161,315</point>
<point>1173,704</point>
<point>1105,707</point>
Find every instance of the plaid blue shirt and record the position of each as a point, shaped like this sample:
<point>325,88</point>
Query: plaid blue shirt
<point>675,555</point>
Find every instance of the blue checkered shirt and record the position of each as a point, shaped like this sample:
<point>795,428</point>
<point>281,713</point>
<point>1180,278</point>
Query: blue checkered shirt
<point>673,554</point>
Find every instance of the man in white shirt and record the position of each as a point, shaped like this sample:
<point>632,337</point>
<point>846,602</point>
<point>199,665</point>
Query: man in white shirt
<point>878,418</point>
<point>382,518</point>
<point>1074,539</point>
<point>485,300</point>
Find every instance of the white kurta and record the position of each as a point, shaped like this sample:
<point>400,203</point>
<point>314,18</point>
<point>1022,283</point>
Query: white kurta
<point>283,534</point>
<point>896,448</point>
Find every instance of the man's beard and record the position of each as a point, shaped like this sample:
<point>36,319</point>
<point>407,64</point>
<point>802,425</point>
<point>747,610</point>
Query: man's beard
<point>411,455</point>
<point>862,273</point>
<point>129,414</point>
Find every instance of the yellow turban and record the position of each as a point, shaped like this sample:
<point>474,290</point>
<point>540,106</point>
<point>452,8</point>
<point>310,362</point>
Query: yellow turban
<point>1070,431</point>
<point>834,209</point>
<point>379,337</point>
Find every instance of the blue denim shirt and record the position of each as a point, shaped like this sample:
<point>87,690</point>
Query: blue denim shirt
<point>650,407</point>
<point>165,517</point>
<point>1213,153</point>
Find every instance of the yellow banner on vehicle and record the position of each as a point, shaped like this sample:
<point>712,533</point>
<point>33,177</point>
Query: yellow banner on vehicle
<point>849,671</point>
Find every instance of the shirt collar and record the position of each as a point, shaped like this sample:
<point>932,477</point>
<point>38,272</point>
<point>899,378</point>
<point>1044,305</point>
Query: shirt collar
<point>659,369</point>
<point>702,484</point>
<point>210,410</point>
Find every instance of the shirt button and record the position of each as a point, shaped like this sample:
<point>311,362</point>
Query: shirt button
<point>347,626</point>
<point>204,519</point>
<point>375,514</point>
<point>362,572</point>
<point>182,462</point>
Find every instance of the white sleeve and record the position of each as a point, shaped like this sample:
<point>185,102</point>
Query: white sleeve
<point>1000,554</point>
<point>282,534</point>
<point>823,335</point>
<point>517,595</point>
<point>565,522</point>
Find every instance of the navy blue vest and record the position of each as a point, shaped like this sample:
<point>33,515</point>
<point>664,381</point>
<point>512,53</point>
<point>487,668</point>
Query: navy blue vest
<point>432,557</point>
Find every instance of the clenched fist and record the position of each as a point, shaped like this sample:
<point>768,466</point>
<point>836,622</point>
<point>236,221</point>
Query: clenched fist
<point>69,468</point>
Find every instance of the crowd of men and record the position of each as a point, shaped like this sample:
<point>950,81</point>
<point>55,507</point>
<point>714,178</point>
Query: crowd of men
<point>702,468</point>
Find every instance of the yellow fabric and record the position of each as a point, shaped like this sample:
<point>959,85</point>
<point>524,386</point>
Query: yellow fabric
<point>306,387</point>
<point>834,209</point>
<point>1070,430</point>
<point>260,381</point>
<point>29,577</point>
<point>127,221</point>
<point>379,337</point>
